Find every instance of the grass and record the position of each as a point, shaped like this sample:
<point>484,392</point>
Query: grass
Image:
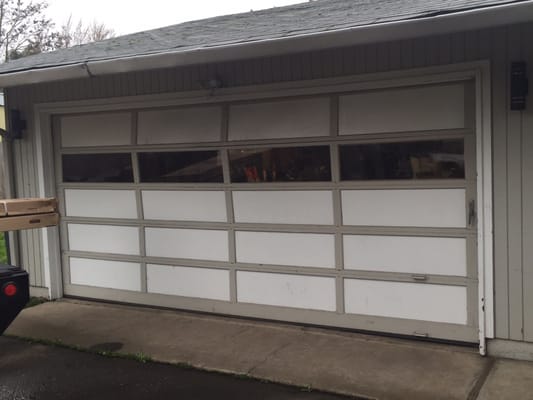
<point>35,301</point>
<point>3,249</point>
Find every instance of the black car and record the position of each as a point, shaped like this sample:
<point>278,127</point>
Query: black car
<point>14,293</point>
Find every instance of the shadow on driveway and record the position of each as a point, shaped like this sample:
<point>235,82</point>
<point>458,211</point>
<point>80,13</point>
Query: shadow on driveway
<point>34,371</point>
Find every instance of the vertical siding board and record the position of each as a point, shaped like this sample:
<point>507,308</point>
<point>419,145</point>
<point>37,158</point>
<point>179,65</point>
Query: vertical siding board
<point>472,45</point>
<point>258,70</point>
<point>432,50</point>
<point>527,194</point>
<point>444,45</point>
<point>419,52</point>
<point>317,66</point>
<point>360,60</point>
<point>338,62</point>
<point>514,195</point>
<point>484,43</point>
<point>297,69</point>
<point>382,57</point>
<point>348,61</point>
<point>407,54</point>
<point>458,47</point>
<point>371,58</point>
<point>394,51</point>
<point>499,113</point>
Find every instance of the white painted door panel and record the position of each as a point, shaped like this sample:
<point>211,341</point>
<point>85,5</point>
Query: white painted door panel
<point>406,254</point>
<point>106,129</point>
<point>425,302</point>
<point>180,125</point>
<point>284,207</point>
<point>208,206</point>
<point>442,208</point>
<point>403,110</point>
<point>106,274</point>
<point>198,244</point>
<point>100,203</point>
<point>276,248</point>
<point>309,292</point>
<point>205,283</point>
<point>279,119</point>
<point>104,238</point>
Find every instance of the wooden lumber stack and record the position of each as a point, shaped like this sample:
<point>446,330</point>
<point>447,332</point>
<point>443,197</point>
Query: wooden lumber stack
<point>16,214</point>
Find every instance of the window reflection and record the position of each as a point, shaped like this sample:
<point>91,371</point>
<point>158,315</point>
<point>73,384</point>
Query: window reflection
<point>286,164</point>
<point>106,167</point>
<point>183,166</point>
<point>438,159</point>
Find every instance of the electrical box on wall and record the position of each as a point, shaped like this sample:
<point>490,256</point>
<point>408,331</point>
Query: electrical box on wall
<point>519,85</point>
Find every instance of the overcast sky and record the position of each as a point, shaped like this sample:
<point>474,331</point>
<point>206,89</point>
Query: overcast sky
<point>128,16</point>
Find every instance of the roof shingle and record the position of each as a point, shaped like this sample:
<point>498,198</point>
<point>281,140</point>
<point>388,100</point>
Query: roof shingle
<point>312,17</point>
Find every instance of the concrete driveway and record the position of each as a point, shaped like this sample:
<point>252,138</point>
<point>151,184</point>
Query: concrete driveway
<point>34,371</point>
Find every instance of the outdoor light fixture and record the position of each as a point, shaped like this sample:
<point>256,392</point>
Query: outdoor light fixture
<point>16,126</point>
<point>519,85</point>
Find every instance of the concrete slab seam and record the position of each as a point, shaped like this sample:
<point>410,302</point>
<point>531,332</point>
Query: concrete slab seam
<point>485,372</point>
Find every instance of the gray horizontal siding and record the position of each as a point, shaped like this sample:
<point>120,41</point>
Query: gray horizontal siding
<point>513,163</point>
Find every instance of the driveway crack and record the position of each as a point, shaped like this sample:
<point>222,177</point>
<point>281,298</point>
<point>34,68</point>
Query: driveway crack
<point>268,356</point>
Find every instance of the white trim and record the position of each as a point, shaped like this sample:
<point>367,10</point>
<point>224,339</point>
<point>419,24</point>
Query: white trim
<point>484,206</point>
<point>477,18</point>
<point>480,71</point>
<point>46,180</point>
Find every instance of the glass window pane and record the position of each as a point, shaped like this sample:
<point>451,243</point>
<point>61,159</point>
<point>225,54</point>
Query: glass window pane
<point>286,164</point>
<point>110,167</point>
<point>183,166</point>
<point>437,159</point>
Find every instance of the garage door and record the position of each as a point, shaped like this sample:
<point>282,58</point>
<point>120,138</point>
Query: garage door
<point>348,209</point>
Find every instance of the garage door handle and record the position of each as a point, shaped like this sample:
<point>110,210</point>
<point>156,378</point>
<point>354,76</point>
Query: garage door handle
<point>472,213</point>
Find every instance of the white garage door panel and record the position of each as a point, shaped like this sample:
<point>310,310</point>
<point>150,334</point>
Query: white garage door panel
<point>279,119</point>
<point>96,130</point>
<point>189,282</point>
<point>104,238</point>
<point>107,274</point>
<point>209,206</point>
<point>101,203</point>
<point>417,208</point>
<point>197,244</point>
<point>400,110</point>
<point>287,207</point>
<point>298,249</point>
<point>438,303</point>
<point>309,292</point>
<point>182,125</point>
<point>419,255</point>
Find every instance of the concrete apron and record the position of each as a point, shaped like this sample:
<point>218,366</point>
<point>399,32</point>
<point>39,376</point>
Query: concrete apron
<point>341,362</point>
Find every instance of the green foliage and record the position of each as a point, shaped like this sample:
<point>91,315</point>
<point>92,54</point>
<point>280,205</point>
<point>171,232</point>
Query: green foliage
<point>3,249</point>
<point>24,28</point>
<point>35,301</point>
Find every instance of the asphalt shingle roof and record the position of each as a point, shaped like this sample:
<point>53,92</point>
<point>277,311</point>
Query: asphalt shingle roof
<point>312,17</point>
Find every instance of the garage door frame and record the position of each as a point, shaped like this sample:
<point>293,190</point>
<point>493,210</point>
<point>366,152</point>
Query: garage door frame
<point>479,71</point>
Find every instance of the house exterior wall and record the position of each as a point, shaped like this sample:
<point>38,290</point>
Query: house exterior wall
<point>512,135</point>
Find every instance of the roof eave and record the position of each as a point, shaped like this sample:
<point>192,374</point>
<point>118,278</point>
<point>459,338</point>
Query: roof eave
<point>441,24</point>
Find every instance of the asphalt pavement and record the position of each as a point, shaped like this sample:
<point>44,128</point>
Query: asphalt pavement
<point>30,371</point>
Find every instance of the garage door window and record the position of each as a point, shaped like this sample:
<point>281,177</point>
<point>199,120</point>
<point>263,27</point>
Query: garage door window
<point>107,167</point>
<point>183,166</point>
<point>438,159</point>
<point>285,164</point>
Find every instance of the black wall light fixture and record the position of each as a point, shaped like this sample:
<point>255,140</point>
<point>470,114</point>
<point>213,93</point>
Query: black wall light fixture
<point>16,126</point>
<point>519,85</point>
